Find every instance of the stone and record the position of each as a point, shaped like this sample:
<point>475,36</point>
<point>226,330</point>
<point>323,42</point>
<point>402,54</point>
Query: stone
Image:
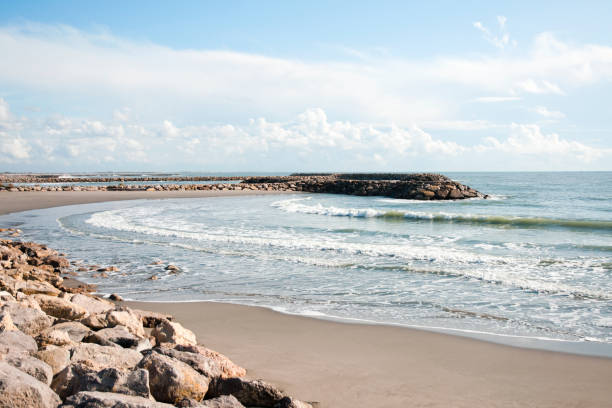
<point>16,342</point>
<point>21,390</point>
<point>29,320</point>
<point>128,319</point>
<point>6,297</point>
<point>33,288</point>
<point>170,332</point>
<point>250,393</point>
<point>60,308</point>
<point>202,364</point>
<point>455,194</point>
<point>28,301</point>
<point>56,261</point>
<point>115,297</point>
<point>118,335</point>
<point>224,401</point>
<point>32,366</point>
<point>288,402</point>
<point>171,380</point>
<point>96,399</point>
<point>151,319</point>
<point>228,368</point>
<point>442,193</point>
<point>76,378</point>
<point>75,330</point>
<point>54,337</point>
<point>6,322</point>
<point>99,357</point>
<point>95,322</point>
<point>92,304</point>
<point>56,357</point>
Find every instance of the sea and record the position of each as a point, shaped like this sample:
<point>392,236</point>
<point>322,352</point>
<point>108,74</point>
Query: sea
<point>530,266</point>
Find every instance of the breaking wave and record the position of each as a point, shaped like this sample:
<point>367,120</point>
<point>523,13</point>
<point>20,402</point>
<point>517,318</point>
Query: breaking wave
<point>297,206</point>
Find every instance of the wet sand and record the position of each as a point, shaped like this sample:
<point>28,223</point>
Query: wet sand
<point>34,200</point>
<point>346,365</point>
<point>358,365</point>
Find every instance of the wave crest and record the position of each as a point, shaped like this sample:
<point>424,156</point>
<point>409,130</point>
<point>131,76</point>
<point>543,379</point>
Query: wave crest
<point>296,206</point>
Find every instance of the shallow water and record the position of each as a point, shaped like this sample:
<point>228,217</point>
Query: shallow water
<point>535,261</point>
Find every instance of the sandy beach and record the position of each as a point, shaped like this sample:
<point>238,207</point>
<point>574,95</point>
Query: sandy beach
<point>358,365</point>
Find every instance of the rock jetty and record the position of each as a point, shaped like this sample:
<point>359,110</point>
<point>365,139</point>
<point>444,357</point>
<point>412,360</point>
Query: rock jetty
<point>417,186</point>
<point>61,346</point>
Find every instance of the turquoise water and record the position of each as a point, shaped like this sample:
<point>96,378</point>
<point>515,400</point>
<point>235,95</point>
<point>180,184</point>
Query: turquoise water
<point>533,262</point>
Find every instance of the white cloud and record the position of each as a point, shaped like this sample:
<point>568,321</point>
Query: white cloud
<point>310,138</point>
<point>549,114</point>
<point>121,115</point>
<point>13,148</point>
<point>530,140</point>
<point>539,87</point>
<point>230,86</point>
<point>385,102</point>
<point>494,99</point>
<point>169,131</point>
<point>502,40</point>
<point>4,110</point>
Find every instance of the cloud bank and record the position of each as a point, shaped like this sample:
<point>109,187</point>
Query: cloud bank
<point>117,103</point>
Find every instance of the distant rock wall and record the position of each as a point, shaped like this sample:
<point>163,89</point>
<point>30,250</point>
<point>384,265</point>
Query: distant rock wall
<point>419,186</point>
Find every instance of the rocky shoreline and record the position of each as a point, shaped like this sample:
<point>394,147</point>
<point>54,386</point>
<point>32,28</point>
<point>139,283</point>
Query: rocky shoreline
<point>62,346</point>
<point>418,186</point>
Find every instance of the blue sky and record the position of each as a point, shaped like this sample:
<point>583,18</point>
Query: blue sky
<point>280,86</point>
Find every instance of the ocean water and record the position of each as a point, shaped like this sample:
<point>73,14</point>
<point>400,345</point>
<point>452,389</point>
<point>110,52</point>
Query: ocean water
<point>531,264</point>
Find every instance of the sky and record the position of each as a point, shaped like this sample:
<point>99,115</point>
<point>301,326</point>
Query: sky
<point>305,86</point>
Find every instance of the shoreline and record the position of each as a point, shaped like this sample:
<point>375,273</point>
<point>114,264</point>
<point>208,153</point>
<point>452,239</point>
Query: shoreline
<point>11,202</point>
<point>361,364</point>
<point>347,365</point>
<point>546,344</point>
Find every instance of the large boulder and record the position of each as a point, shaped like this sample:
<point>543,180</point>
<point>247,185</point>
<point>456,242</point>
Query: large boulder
<point>55,338</point>
<point>96,399</point>
<point>120,336</point>
<point>32,366</point>
<point>16,342</point>
<point>228,368</point>
<point>250,393</point>
<point>75,330</point>
<point>95,321</point>
<point>151,319</point>
<point>202,364</point>
<point>30,287</point>
<point>126,318</point>
<point>92,304</point>
<point>77,377</point>
<point>175,333</point>
<point>56,357</point>
<point>60,307</point>
<point>171,380</point>
<point>29,320</point>
<point>99,357</point>
<point>20,390</point>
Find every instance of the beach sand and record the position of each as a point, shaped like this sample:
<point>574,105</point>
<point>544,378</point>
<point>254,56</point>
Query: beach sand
<point>346,365</point>
<point>358,365</point>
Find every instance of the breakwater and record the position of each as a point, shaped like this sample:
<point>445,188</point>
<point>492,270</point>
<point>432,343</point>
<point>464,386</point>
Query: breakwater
<point>417,186</point>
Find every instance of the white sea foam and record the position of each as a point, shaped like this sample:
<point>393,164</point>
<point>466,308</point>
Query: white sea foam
<point>297,206</point>
<point>506,270</point>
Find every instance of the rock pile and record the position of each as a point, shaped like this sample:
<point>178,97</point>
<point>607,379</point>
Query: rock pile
<point>406,186</point>
<point>61,346</point>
